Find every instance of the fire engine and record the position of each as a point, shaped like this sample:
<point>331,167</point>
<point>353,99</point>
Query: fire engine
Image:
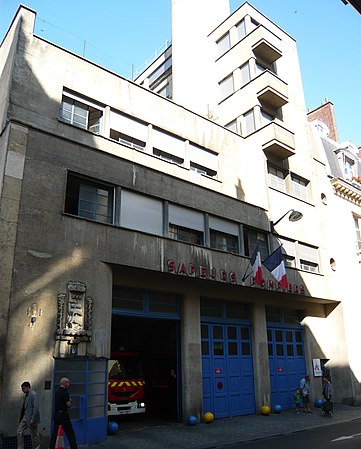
<point>125,384</point>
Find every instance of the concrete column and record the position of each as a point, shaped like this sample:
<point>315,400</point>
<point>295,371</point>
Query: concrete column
<point>262,382</point>
<point>191,357</point>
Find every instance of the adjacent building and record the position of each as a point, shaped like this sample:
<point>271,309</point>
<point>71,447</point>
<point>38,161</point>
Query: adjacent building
<point>130,210</point>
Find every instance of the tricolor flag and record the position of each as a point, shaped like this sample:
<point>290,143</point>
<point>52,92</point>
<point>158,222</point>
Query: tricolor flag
<point>275,264</point>
<point>256,266</point>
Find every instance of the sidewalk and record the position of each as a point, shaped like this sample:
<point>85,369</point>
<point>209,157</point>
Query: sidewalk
<point>223,431</point>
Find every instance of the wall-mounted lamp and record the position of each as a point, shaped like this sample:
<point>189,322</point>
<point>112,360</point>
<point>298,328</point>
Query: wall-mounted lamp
<point>33,312</point>
<point>295,215</point>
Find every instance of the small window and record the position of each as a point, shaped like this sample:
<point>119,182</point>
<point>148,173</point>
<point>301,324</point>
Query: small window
<point>358,233</point>
<point>185,234</point>
<point>299,187</point>
<point>224,242</point>
<point>232,126</point>
<point>89,199</point>
<point>167,156</point>
<point>241,29</point>
<point>210,308</point>
<point>276,178</point>
<point>309,266</point>
<point>245,73</point>
<point>249,122</point>
<point>223,44</point>
<point>251,238</point>
<point>127,140</point>
<point>81,114</point>
<point>202,170</point>
<point>227,86</point>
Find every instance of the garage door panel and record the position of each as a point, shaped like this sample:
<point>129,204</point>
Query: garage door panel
<point>287,363</point>
<point>232,373</point>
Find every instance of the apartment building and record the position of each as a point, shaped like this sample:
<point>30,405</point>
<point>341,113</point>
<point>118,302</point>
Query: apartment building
<point>130,211</point>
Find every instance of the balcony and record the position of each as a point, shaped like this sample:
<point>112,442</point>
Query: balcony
<point>271,90</point>
<point>277,141</point>
<point>265,45</point>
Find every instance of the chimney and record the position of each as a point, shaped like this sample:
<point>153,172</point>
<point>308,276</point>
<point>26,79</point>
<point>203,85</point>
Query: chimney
<point>326,113</point>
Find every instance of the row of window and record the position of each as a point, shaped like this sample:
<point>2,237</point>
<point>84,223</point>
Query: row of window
<point>243,75</point>
<point>287,182</point>
<point>254,119</point>
<point>113,205</point>
<point>242,28</point>
<point>138,135</point>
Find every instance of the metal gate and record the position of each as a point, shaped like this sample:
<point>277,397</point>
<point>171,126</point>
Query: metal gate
<point>88,390</point>
<point>287,363</point>
<point>227,370</point>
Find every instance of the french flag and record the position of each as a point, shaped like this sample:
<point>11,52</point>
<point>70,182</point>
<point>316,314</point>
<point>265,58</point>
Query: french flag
<point>256,266</point>
<point>276,265</point>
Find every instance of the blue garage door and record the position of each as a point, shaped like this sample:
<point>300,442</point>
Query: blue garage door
<point>287,363</point>
<point>227,370</point>
<point>88,390</point>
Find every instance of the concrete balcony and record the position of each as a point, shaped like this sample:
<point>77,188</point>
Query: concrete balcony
<point>271,90</point>
<point>265,45</point>
<point>277,140</point>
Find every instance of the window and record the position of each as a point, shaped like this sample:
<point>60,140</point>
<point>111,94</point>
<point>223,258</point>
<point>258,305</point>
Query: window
<point>276,178</point>
<point>185,234</point>
<point>168,157</point>
<point>89,199</point>
<point>224,242</point>
<point>266,117</point>
<point>309,266</point>
<point>358,233</point>
<point>141,212</point>
<point>249,122</point>
<point>186,224</point>
<point>348,167</point>
<point>299,187</point>
<point>232,126</point>
<point>245,73</point>
<point>251,237</point>
<point>81,113</point>
<point>241,29</point>
<point>226,86</point>
<point>126,140</point>
<point>223,44</point>
<point>203,160</point>
<point>308,257</point>
<point>202,170</point>
<point>161,72</point>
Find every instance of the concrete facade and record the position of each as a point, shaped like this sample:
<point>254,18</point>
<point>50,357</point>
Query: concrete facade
<point>184,161</point>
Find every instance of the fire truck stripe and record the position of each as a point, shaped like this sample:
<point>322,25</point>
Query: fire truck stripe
<point>114,384</point>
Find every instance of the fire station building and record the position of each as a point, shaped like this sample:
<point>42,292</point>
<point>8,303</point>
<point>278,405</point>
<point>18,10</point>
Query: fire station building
<point>129,212</point>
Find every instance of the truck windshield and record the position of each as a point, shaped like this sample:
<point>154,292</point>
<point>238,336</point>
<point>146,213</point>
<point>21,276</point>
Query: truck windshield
<point>124,368</point>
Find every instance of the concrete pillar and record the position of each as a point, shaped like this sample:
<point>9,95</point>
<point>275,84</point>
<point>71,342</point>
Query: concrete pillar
<point>262,382</point>
<point>191,357</point>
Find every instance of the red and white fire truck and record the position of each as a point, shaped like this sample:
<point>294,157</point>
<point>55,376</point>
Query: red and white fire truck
<point>125,384</point>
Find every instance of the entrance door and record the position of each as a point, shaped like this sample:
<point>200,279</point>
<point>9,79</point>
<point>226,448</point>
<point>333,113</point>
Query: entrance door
<point>287,364</point>
<point>227,370</point>
<point>88,390</point>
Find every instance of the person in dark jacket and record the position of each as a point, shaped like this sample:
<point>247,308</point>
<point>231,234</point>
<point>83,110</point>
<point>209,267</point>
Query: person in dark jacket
<point>61,416</point>
<point>29,417</point>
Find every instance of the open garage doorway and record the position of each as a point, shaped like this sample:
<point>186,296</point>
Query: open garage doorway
<point>156,343</point>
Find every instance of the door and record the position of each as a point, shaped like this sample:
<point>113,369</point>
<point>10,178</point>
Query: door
<point>88,390</point>
<point>287,363</point>
<point>227,370</point>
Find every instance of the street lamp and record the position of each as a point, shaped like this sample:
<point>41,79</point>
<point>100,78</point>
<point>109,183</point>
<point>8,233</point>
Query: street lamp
<point>295,215</point>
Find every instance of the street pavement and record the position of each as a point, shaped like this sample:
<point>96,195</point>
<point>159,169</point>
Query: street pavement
<point>221,431</point>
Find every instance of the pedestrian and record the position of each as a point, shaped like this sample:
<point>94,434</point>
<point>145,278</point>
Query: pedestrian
<point>29,417</point>
<point>305,393</point>
<point>327,391</point>
<point>297,399</point>
<point>62,404</point>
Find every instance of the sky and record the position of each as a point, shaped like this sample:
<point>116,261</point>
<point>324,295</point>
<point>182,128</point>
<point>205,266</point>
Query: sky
<point>122,35</point>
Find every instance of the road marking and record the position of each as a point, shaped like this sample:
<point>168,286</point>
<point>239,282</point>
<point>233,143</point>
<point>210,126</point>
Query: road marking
<point>346,437</point>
